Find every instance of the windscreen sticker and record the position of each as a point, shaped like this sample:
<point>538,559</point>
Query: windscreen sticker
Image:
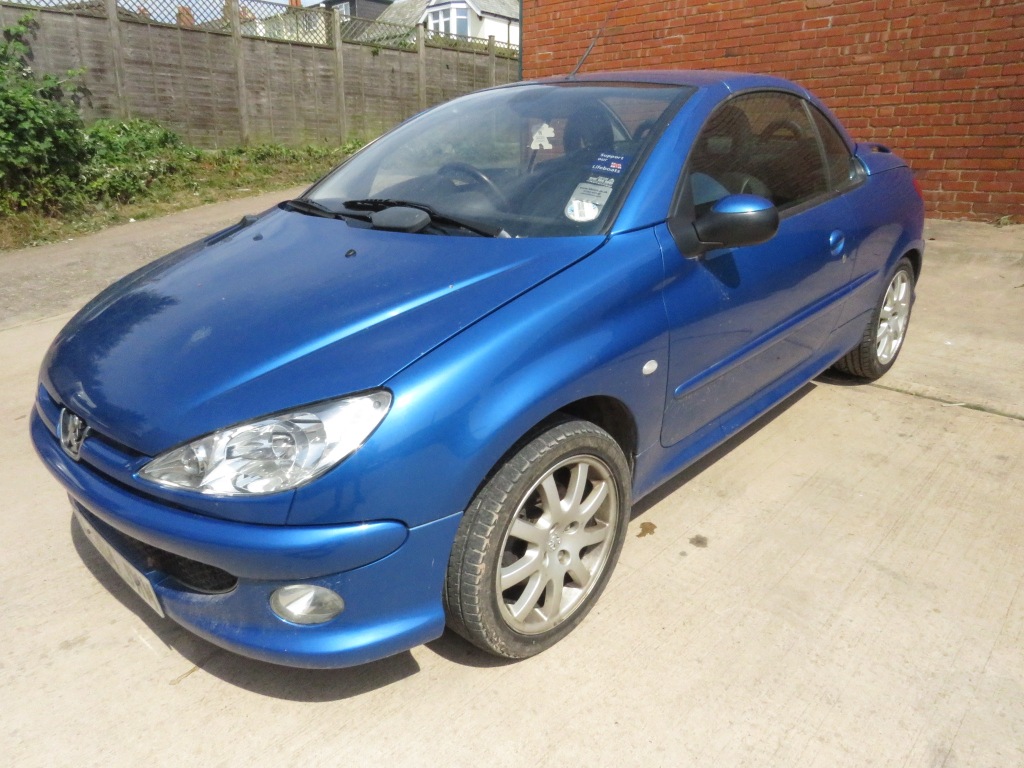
<point>588,198</point>
<point>609,163</point>
<point>541,136</point>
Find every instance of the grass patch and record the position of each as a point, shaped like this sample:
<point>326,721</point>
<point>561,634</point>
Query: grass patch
<point>165,181</point>
<point>59,178</point>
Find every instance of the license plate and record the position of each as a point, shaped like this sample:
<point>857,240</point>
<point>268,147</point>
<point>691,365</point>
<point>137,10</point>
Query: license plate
<point>132,576</point>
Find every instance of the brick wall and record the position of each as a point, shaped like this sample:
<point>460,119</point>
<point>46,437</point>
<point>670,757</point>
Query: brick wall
<point>940,82</point>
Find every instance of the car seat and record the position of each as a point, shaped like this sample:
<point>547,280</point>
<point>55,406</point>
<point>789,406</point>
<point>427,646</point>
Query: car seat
<point>725,151</point>
<point>588,128</point>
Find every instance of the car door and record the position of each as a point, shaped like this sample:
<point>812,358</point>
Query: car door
<point>745,322</point>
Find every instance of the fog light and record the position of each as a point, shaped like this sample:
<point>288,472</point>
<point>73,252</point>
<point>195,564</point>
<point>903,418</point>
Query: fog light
<point>306,604</point>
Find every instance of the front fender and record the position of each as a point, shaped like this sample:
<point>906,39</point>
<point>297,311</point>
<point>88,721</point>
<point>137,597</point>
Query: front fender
<point>587,331</point>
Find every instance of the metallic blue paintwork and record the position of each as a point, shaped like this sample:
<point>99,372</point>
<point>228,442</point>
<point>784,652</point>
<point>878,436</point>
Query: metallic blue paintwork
<point>478,340</point>
<point>390,605</point>
<point>272,317</point>
<point>742,204</point>
<point>248,551</point>
<point>461,407</point>
<point>122,465</point>
<point>753,315</point>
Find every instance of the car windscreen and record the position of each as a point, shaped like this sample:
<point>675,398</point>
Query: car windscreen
<point>534,160</point>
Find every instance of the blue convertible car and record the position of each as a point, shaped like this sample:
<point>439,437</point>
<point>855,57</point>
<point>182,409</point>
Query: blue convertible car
<point>429,390</point>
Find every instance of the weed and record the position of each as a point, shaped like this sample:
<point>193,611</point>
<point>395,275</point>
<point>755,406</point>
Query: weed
<point>42,144</point>
<point>59,178</point>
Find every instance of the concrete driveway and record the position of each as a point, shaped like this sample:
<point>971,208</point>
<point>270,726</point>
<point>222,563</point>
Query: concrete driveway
<point>839,586</point>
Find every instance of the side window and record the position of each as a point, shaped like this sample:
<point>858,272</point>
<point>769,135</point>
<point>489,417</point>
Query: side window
<point>843,170</point>
<point>759,144</point>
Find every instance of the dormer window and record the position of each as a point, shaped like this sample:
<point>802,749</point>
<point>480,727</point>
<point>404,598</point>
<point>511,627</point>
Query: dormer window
<point>452,20</point>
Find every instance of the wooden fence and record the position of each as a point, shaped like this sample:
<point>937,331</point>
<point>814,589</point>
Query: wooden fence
<point>222,87</point>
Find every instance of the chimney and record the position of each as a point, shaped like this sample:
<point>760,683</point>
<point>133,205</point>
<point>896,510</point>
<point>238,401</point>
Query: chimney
<point>295,3</point>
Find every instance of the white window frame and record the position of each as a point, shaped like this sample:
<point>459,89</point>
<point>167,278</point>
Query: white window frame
<point>451,20</point>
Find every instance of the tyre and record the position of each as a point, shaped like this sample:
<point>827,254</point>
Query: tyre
<point>884,335</point>
<point>537,545</point>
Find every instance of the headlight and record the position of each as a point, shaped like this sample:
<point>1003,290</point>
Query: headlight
<point>273,454</point>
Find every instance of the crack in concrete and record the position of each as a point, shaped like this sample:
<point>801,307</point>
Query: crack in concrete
<point>957,403</point>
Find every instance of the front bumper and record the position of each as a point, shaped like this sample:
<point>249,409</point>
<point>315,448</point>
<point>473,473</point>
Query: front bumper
<point>390,576</point>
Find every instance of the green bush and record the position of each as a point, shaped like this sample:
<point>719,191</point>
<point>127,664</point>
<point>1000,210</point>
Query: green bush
<point>50,164</point>
<point>127,157</point>
<point>42,143</point>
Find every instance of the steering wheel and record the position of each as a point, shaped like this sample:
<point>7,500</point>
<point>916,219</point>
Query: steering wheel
<point>752,185</point>
<point>744,184</point>
<point>782,125</point>
<point>457,169</point>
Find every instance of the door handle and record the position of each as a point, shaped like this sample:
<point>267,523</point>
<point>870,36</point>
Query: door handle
<point>836,243</point>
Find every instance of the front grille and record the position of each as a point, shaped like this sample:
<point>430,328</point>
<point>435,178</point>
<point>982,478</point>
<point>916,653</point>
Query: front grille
<point>190,574</point>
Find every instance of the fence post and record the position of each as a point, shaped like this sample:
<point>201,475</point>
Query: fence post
<point>421,59</point>
<point>238,54</point>
<point>117,53</point>
<point>492,64</point>
<point>339,74</point>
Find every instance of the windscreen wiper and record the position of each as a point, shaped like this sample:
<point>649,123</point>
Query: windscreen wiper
<point>382,203</point>
<point>313,208</point>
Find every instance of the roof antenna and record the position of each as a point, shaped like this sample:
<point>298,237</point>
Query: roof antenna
<point>593,42</point>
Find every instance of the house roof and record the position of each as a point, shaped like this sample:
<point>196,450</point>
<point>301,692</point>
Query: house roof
<point>406,12</point>
<point>97,5</point>
<point>332,3</point>
<point>508,9</point>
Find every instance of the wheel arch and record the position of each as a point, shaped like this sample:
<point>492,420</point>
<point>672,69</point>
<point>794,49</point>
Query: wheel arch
<point>916,261</point>
<point>613,416</point>
<point>609,413</point>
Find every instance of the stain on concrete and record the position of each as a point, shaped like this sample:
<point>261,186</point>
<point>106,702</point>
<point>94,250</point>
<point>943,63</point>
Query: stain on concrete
<point>67,645</point>
<point>699,541</point>
<point>646,529</point>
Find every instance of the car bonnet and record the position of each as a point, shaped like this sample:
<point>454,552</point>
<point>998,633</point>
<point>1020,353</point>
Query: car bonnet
<point>287,311</point>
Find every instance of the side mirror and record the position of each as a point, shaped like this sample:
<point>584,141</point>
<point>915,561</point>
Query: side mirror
<point>732,222</point>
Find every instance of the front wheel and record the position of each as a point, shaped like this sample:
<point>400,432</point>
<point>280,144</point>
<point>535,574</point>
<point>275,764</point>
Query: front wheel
<point>884,335</point>
<point>539,542</point>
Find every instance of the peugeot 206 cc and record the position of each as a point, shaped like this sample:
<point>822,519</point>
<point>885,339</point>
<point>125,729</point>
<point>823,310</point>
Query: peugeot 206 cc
<point>429,390</point>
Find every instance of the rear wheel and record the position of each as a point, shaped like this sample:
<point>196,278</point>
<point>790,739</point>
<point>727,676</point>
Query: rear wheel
<point>884,335</point>
<point>538,543</point>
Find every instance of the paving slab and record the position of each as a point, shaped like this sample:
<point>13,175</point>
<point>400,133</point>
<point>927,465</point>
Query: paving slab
<point>968,322</point>
<point>840,585</point>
